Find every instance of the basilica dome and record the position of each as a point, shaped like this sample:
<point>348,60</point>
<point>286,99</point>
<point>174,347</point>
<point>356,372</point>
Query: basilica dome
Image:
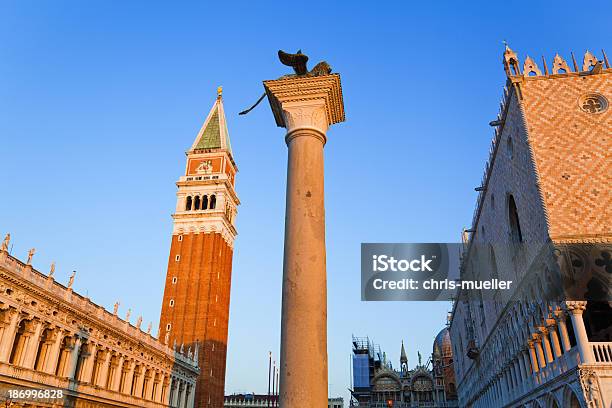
<point>442,344</point>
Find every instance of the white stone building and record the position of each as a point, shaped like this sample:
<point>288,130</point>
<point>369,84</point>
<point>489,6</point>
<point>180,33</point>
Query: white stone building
<point>54,339</point>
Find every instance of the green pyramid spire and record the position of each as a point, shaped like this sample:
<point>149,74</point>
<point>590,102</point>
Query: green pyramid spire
<point>214,134</point>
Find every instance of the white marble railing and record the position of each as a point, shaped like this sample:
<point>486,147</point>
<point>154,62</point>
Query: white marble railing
<point>602,351</point>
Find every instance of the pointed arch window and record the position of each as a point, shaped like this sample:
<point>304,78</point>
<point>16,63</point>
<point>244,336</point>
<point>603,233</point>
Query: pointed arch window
<point>196,204</point>
<point>188,203</point>
<point>516,235</point>
<point>205,202</point>
<point>213,201</point>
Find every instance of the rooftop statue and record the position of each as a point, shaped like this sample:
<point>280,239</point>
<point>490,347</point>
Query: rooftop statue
<point>298,62</point>
<point>5,243</point>
<point>71,280</point>
<point>31,253</point>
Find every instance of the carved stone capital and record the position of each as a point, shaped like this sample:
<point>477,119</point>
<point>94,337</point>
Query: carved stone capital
<point>70,342</point>
<point>305,115</point>
<point>559,315</point>
<point>575,307</point>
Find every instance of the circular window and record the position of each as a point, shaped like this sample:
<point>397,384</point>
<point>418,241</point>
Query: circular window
<point>593,103</point>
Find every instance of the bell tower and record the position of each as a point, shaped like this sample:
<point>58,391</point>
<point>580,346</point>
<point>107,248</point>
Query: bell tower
<point>195,309</point>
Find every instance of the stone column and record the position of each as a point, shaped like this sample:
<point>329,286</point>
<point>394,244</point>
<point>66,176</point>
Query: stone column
<point>116,382</point>
<point>546,345</point>
<point>160,387</point>
<point>138,390</point>
<point>179,394</point>
<point>554,339</point>
<point>565,341</point>
<point>8,336</point>
<point>23,348</point>
<point>127,386</point>
<point>32,348</point>
<point>535,367</point>
<point>74,357</point>
<point>518,366</point>
<point>168,395</point>
<point>576,308</point>
<point>306,107</point>
<point>103,377</point>
<point>90,362</point>
<point>174,391</point>
<point>191,402</point>
<point>54,354</point>
<point>540,352</point>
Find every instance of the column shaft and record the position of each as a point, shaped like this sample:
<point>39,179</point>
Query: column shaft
<point>546,346</point>
<point>53,355</point>
<point>8,338</point>
<point>564,335</point>
<point>306,107</point>
<point>127,386</point>
<point>303,380</point>
<point>535,367</point>
<point>32,346</point>
<point>116,382</point>
<point>554,340</point>
<point>540,354</point>
<point>74,358</point>
<point>581,337</point>
<point>90,363</point>
<point>103,377</point>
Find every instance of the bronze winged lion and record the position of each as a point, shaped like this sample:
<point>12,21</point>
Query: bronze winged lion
<point>298,62</point>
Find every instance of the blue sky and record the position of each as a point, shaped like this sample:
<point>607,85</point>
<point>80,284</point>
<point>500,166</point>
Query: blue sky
<point>98,103</point>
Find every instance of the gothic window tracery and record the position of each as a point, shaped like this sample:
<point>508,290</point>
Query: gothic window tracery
<point>593,103</point>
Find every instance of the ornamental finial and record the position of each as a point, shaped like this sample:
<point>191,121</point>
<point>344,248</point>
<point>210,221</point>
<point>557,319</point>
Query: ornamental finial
<point>219,91</point>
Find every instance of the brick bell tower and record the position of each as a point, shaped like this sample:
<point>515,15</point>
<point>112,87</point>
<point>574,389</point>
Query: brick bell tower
<point>195,308</point>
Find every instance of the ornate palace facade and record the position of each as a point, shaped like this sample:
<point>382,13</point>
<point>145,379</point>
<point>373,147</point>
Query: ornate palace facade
<point>546,186</point>
<point>53,338</point>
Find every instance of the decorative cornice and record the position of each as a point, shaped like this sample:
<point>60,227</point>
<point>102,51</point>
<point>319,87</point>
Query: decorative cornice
<point>205,226</point>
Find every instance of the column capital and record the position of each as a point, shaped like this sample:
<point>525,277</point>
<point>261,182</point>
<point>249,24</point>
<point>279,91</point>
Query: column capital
<point>575,307</point>
<point>559,315</point>
<point>551,324</point>
<point>305,118</point>
<point>311,102</point>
